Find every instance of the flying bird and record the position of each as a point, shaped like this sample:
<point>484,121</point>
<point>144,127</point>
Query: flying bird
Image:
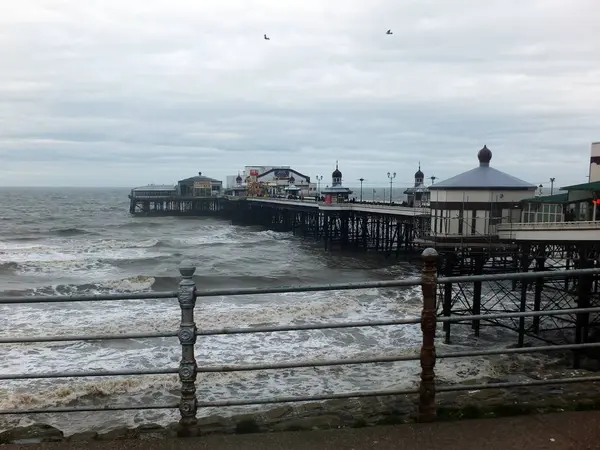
<point>389,32</point>
<point>267,38</point>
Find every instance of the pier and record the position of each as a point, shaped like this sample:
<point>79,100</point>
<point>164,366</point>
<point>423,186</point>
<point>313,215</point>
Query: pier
<point>426,400</point>
<point>344,226</point>
<point>481,222</point>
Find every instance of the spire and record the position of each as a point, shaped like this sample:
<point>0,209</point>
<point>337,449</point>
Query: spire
<point>336,165</point>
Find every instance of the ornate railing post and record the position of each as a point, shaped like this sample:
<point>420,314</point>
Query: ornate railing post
<point>188,403</point>
<point>427,408</point>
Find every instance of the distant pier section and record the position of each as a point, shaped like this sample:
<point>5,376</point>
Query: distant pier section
<point>195,196</point>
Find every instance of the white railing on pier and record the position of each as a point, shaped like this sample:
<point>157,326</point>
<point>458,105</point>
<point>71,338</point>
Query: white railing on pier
<point>564,231</point>
<point>382,208</point>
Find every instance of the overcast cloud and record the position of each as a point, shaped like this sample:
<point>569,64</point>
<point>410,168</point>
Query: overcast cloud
<point>126,93</point>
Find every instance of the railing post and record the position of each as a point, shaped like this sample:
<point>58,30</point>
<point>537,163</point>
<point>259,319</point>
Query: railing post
<point>188,403</point>
<point>427,408</point>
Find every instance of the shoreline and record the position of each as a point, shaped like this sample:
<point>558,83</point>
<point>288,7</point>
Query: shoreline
<point>360,412</point>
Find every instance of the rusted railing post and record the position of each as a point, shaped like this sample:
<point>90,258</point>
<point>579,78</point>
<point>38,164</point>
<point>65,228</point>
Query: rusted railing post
<point>427,408</point>
<point>188,403</point>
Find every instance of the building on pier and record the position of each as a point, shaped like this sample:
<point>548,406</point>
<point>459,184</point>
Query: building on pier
<point>238,189</point>
<point>280,180</point>
<point>273,181</point>
<point>418,195</point>
<point>154,190</point>
<point>200,186</point>
<point>336,193</point>
<point>473,203</point>
<point>547,208</point>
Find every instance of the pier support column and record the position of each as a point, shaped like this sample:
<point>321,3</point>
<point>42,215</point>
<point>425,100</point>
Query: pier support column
<point>326,230</point>
<point>523,306</point>
<point>539,287</point>
<point>584,289</point>
<point>449,263</point>
<point>478,270</point>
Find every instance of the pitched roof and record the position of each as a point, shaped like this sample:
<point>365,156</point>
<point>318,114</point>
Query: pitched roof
<point>556,198</point>
<point>483,177</point>
<point>199,178</point>
<point>593,186</point>
<point>282,169</point>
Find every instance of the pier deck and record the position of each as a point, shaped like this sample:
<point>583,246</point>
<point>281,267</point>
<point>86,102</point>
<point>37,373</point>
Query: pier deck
<point>395,210</point>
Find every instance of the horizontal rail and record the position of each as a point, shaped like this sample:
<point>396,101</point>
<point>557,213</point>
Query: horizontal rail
<point>88,337</point>
<point>307,398</point>
<point>317,326</point>
<point>249,402</point>
<point>510,384</point>
<point>316,363</point>
<point>519,276</point>
<point>88,298</point>
<point>287,328</point>
<point>522,350</point>
<point>302,364</point>
<point>107,373</point>
<point>407,282</point>
<point>510,315</point>
<point>71,409</point>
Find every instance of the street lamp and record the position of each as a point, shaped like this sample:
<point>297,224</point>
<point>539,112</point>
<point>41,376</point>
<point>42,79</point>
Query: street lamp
<point>319,179</point>
<point>552,185</point>
<point>433,178</point>
<point>361,182</point>
<point>391,176</point>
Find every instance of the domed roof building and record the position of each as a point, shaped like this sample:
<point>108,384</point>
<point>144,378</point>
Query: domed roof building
<point>418,195</point>
<point>472,203</point>
<point>336,193</point>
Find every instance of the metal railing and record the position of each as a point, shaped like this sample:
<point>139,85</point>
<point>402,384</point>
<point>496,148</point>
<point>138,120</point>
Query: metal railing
<point>583,225</point>
<point>187,295</point>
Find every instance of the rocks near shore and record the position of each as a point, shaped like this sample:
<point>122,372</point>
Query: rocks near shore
<point>356,412</point>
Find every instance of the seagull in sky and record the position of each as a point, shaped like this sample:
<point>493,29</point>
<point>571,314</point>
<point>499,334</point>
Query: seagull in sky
<point>389,32</point>
<point>267,38</point>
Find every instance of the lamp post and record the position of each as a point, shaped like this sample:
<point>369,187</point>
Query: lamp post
<point>552,180</point>
<point>319,179</point>
<point>391,176</point>
<point>433,178</point>
<point>361,183</point>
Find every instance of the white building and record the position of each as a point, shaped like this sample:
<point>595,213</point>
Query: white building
<point>472,203</point>
<point>279,179</point>
<point>275,179</point>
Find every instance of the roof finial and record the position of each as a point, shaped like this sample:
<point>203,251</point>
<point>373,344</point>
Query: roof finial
<point>419,165</point>
<point>336,164</point>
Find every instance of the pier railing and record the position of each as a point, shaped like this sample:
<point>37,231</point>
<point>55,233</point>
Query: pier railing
<point>188,333</point>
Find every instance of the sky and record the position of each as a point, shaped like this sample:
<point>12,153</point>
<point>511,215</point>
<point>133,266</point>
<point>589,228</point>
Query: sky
<point>127,93</point>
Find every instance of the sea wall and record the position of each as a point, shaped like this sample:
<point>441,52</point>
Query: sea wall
<point>361,412</point>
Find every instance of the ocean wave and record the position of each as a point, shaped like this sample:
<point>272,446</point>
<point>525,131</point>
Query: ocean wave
<point>8,267</point>
<point>68,232</point>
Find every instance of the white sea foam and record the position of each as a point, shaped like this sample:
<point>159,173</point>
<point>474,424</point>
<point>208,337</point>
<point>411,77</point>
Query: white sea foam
<point>243,253</point>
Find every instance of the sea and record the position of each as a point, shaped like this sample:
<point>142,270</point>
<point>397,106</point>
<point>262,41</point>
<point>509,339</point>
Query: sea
<point>83,241</point>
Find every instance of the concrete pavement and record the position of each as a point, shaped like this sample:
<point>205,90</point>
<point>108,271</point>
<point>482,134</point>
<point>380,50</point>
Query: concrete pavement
<point>559,431</point>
